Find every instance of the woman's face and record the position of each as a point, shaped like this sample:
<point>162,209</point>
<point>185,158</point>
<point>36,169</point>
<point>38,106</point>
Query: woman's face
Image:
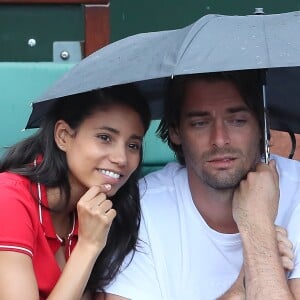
<point>105,149</point>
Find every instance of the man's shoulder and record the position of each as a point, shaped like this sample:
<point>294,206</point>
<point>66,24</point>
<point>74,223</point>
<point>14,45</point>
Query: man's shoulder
<point>161,178</point>
<point>287,168</point>
<point>161,186</point>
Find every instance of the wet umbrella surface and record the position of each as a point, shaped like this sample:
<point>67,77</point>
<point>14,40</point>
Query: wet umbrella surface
<point>213,43</point>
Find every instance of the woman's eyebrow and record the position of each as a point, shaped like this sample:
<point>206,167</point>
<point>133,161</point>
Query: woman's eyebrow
<point>111,129</point>
<point>116,131</point>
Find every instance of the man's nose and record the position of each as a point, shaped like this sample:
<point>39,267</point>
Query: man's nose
<point>219,134</point>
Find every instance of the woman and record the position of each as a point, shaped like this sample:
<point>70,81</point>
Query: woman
<point>69,200</point>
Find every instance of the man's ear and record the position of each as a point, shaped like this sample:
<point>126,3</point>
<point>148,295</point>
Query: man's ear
<point>63,133</point>
<point>174,136</point>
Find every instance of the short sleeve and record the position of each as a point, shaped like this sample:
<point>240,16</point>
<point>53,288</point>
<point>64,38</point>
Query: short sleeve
<point>16,220</point>
<point>137,280</point>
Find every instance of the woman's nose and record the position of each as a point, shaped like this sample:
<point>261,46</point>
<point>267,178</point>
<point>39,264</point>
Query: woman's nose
<point>118,155</point>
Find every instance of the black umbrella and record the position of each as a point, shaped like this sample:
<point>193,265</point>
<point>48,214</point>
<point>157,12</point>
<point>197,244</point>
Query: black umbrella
<point>211,44</point>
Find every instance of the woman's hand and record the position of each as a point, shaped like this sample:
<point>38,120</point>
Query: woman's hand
<point>95,216</point>
<point>285,248</point>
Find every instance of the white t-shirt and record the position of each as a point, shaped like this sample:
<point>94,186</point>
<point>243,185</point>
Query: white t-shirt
<point>180,256</point>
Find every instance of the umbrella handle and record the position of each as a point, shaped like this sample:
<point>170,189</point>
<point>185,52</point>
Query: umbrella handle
<point>267,150</point>
<point>294,143</point>
<point>266,127</point>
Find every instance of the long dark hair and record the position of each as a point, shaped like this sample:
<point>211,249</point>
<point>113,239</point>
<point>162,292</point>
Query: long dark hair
<point>52,171</point>
<point>247,82</point>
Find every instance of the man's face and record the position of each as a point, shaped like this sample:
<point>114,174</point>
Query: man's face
<point>218,133</point>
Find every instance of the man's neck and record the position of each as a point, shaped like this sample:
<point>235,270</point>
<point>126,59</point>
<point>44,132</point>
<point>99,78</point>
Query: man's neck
<point>215,206</point>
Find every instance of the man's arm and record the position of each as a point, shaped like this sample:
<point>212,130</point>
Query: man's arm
<point>294,285</point>
<point>285,248</point>
<point>255,207</point>
<point>237,290</point>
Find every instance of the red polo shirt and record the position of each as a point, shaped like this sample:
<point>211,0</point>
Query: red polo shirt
<point>27,229</point>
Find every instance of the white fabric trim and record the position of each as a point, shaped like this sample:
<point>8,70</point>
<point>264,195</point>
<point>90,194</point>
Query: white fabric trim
<point>16,248</point>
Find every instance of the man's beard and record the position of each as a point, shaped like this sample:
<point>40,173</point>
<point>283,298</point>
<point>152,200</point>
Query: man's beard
<point>226,179</point>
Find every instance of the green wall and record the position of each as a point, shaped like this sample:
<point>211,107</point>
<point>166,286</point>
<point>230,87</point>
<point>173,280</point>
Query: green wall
<point>135,16</point>
<point>30,70</point>
<point>45,23</point>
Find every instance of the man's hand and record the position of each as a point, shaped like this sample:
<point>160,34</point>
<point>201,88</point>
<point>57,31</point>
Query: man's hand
<point>255,200</point>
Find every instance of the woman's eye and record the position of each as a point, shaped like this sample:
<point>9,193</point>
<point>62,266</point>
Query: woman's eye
<point>104,137</point>
<point>134,146</point>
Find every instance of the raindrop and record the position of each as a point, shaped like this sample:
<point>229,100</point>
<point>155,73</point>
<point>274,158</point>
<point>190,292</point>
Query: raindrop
<point>207,7</point>
<point>254,36</point>
<point>259,11</point>
<point>259,61</point>
<point>243,48</point>
<point>31,42</point>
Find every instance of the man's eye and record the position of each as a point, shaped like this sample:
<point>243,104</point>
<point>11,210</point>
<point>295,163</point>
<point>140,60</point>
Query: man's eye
<point>238,122</point>
<point>199,123</point>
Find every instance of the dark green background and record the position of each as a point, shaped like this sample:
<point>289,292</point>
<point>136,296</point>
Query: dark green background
<point>49,23</point>
<point>134,16</point>
<point>44,23</point>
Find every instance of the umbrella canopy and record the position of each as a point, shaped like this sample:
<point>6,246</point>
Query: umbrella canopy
<point>211,44</point>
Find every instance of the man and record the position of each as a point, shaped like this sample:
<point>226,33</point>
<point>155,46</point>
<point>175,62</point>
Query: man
<point>208,230</point>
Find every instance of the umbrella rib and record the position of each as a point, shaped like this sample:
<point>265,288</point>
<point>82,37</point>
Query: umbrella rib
<point>267,45</point>
<point>183,50</point>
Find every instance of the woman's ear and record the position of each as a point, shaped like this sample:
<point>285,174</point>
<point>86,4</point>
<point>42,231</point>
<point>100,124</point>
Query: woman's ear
<point>63,134</point>
<point>174,136</point>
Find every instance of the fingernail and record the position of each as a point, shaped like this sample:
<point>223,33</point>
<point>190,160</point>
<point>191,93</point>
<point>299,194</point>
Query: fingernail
<point>107,186</point>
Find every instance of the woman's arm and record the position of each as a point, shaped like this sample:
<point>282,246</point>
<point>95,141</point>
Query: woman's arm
<point>17,277</point>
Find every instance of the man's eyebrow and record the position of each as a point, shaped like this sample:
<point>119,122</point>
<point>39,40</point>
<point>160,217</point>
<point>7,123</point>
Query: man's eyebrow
<point>236,109</point>
<point>203,113</point>
<point>197,114</point>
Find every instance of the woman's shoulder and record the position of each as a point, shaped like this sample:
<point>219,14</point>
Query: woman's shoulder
<point>9,178</point>
<point>15,186</point>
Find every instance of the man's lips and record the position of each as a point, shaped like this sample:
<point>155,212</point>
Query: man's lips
<point>223,162</point>
<point>222,159</point>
